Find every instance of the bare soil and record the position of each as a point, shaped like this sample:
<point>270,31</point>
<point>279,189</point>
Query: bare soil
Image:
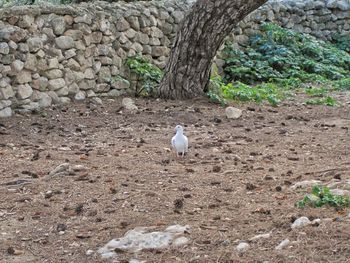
<point>233,185</point>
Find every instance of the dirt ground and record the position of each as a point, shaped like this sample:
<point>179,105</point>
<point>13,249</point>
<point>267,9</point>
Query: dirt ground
<point>234,184</point>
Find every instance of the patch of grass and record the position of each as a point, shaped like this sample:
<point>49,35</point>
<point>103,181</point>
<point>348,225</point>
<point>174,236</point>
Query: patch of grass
<point>321,196</point>
<point>316,92</point>
<point>148,74</point>
<point>328,101</point>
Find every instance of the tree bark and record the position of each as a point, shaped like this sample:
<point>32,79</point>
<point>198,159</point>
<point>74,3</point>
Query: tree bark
<point>200,36</point>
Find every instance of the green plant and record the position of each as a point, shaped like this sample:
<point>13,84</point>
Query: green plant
<point>321,196</point>
<point>214,92</point>
<point>342,41</point>
<point>148,74</point>
<point>286,58</point>
<point>316,92</point>
<point>328,101</point>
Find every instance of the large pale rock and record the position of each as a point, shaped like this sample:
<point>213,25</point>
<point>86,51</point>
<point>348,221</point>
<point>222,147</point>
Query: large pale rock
<point>7,92</point>
<point>40,84</point>
<point>23,76</point>
<point>45,101</point>
<point>75,34</point>
<point>24,91</point>
<point>5,104</point>
<point>53,74</point>
<point>233,113</point>
<point>62,91</point>
<point>129,104</point>
<point>4,48</point>
<point>301,222</point>
<point>34,44</point>
<point>6,112</point>
<point>31,62</point>
<point>121,84</point>
<point>55,84</point>
<point>58,25</point>
<point>64,42</point>
<point>17,65</point>
<point>122,25</point>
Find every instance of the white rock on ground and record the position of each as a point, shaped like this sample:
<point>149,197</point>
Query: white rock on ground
<point>141,238</point>
<point>283,244</point>
<point>129,104</point>
<point>301,222</point>
<point>242,247</point>
<point>304,184</point>
<point>233,113</point>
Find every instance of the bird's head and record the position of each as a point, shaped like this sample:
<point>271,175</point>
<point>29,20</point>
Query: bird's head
<point>179,128</point>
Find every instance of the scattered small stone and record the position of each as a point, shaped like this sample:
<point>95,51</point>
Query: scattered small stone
<point>129,104</point>
<point>89,252</point>
<point>79,208</point>
<point>261,236</point>
<point>278,188</point>
<point>301,222</point>
<point>250,186</point>
<point>216,169</point>
<point>242,247</point>
<point>14,251</point>
<point>178,204</point>
<point>61,227</point>
<point>283,244</point>
<point>233,113</point>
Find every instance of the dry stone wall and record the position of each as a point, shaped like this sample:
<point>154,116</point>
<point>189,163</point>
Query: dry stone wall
<point>57,54</point>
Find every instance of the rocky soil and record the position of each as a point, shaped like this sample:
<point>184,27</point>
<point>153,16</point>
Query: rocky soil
<point>75,177</point>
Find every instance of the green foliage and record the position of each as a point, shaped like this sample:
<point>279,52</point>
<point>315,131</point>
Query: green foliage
<point>321,196</point>
<point>286,58</point>
<point>215,92</point>
<point>148,74</point>
<point>342,84</point>
<point>342,42</point>
<point>241,92</point>
<point>328,101</point>
<point>316,92</point>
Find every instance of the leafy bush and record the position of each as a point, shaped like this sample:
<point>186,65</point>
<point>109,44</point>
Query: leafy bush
<point>277,55</point>
<point>328,101</point>
<point>321,196</point>
<point>342,42</point>
<point>148,74</point>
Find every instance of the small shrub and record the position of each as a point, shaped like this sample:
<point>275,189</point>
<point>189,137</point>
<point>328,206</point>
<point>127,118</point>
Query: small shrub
<point>321,196</point>
<point>148,74</point>
<point>328,101</point>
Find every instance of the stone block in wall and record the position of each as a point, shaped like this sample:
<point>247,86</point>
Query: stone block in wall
<point>4,104</point>
<point>26,21</point>
<point>24,91</point>
<point>58,25</point>
<point>73,89</point>
<point>80,96</point>
<point>34,44</point>
<point>54,98</point>
<point>64,42</point>
<point>53,74</point>
<point>23,77</point>
<point>7,59</point>
<point>122,25</point>
<point>102,87</point>
<point>53,63</point>
<point>4,48</point>
<point>64,100</point>
<point>70,53</point>
<point>5,112</point>
<point>13,33</point>
<point>17,66</point>
<point>62,91</point>
<point>105,61</point>
<point>40,84</point>
<point>73,64</point>
<point>134,22</point>
<point>104,75</point>
<point>86,19</point>
<point>75,34</point>
<point>7,92</point>
<point>31,62</point>
<point>55,84</point>
<point>86,29</point>
<point>87,84</point>
<point>45,100</point>
<point>89,73</point>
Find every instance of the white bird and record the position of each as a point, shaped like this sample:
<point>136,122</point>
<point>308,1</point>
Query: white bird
<point>180,141</point>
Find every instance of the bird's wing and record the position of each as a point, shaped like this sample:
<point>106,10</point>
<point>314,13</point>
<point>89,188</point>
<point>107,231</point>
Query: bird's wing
<point>173,142</point>
<point>186,143</point>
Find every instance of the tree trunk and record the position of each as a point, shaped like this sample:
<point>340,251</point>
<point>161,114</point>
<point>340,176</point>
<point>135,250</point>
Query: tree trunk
<point>201,33</point>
